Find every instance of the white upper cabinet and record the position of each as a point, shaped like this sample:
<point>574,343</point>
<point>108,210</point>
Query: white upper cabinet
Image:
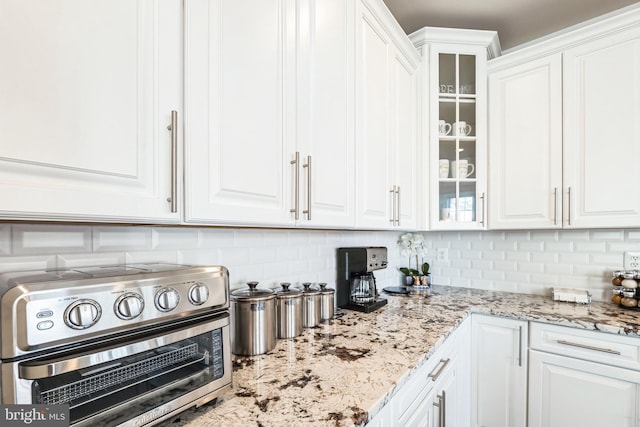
<point>525,149</point>
<point>564,143</point>
<point>455,124</point>
<point>325,119</point>
<point>87,90</point>
<point>601,132</point>
<point>238,145</point>
<point>269,136</point>
<point>386,121</point>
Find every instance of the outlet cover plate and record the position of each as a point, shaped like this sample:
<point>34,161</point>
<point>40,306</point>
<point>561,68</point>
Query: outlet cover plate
<point>632,260</point>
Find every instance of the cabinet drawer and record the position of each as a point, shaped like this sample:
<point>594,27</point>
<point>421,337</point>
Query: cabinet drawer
<point>595,346</point>
<point>410,398</point>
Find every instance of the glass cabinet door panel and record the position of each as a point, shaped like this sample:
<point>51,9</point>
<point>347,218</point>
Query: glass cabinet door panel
<point>448,76</point>
<point>447,201</point>
<point>466,211</point>
<point>467,71</point>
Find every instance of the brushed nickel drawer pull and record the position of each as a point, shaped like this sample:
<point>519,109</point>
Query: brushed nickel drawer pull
<point>296,179</point>
<point>435,376</point>
<point>308,167</point>
<point>589,347</point>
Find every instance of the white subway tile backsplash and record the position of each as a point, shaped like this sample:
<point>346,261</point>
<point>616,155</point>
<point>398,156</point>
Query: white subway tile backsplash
<point>47,239</point>
<point>90,259</point>
<point>18,263</point>
<point>607,235</point>
<point>546,257</point>
<point>174,238</point>
<point>590,246</point>
<point>5,239</point>
<point>109,239</point>
<point>573,258</point>
<point>633,235</point>
<point>623,246</point>
<point>522,261</point>
<point>574,235</point>
<point>216,238</point>
<point>561,246</point>
<point>532,245</point>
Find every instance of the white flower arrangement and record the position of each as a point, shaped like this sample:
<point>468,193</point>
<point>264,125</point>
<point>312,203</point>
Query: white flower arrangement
<point>412,244</point>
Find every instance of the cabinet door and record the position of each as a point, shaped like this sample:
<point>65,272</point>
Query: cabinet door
<point>571,392</point>
<point>601,135</point>
<point>373,63</point>
<point>525,154</point>
<point>238,162</point>
<point>404,140</point>
<point>458,137</point>
<point>326,112</point>
<point>499,372</point>
<point>87,91</point>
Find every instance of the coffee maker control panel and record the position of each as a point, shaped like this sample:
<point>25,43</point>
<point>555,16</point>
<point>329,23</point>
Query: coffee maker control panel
<point>376,258</point>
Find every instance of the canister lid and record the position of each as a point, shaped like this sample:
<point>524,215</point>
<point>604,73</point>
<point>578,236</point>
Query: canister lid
<point>308,290</point>
<point>286,293</point>
<point>326,291</point>
<point>252,294</point>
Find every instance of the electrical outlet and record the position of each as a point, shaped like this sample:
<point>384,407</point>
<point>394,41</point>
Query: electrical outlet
<point>632,260</point>
<point>442,255</point>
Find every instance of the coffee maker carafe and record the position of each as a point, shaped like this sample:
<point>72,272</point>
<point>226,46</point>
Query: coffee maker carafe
<point>356,285</point>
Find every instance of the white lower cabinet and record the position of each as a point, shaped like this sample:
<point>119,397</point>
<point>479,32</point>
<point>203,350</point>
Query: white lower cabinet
<point>437,394</point>
<point>498,372</point>
<point>582,378</point>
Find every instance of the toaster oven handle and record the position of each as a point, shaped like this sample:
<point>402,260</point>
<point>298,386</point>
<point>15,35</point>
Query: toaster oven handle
<point>46,368</point>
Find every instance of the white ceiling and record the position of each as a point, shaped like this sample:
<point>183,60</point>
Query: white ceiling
<point>517,21</point>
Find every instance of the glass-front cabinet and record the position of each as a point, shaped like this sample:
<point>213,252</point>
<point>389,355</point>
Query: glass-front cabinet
<point>455,124</point>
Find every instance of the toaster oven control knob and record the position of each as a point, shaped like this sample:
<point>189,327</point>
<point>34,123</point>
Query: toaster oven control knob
<point>167,299</point>
<point>82,314</point>
<point>129,306</point>
<point>198,294</point>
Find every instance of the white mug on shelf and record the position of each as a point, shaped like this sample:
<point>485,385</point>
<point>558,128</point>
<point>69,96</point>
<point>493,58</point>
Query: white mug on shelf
<point>462,169</point>
<point>443,168</point>
<point>461,129</point>
<point>444,214</point>
<point>444,128</point>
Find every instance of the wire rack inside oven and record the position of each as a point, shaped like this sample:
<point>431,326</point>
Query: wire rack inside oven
<point>118,377</point>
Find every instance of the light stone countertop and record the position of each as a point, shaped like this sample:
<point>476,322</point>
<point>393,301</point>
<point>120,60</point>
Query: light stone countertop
<point>342,373</point>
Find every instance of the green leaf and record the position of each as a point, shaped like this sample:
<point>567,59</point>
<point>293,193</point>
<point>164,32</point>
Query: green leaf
<point>425,268</point>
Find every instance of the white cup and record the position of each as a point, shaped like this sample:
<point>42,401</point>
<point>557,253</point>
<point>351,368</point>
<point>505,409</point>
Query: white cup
<point>444,214</point>
<point>443,168</point>
<point>444,128</point>
<point>462,169</point>
<point>461,129</point>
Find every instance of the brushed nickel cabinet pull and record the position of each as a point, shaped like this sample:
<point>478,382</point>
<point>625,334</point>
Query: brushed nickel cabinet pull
<point>569,217</point>
<point>482,198</point>
<point>398,203</point>
<point>392,220</point>
<point>308,166</point>
<point>441,405</point>
<point>520,346</point>
<point>173,127</point>
<point>589,347</point>
<point>555,205</point>
<point>296,191</point>
<point>435,376</point>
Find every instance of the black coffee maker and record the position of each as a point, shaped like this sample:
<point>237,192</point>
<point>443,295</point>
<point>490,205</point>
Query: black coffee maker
<point>356,285</point>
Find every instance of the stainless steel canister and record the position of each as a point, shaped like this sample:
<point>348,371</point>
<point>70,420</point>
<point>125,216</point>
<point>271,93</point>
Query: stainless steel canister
<point>327,296</point>
<point>289,311</point>
<point>254,320</point>
<point>310,306</point>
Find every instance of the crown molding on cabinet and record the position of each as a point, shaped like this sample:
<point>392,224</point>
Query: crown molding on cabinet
<point>610,23</point>
<point>484,38</point>
<point>388,21</point>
